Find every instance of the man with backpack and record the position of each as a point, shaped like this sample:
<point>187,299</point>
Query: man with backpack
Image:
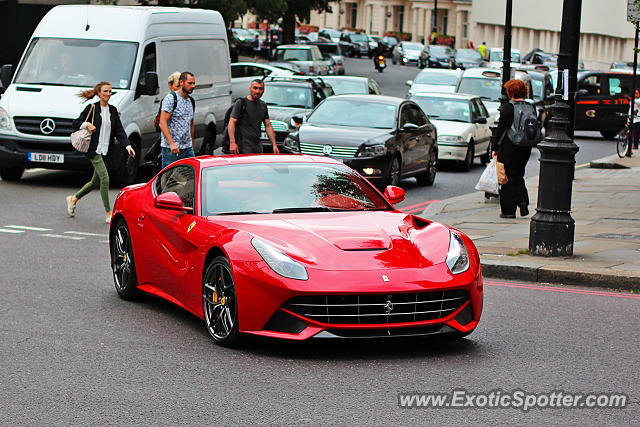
<point>176,121</point>
<point>517,132</point>
<point>246,117</point>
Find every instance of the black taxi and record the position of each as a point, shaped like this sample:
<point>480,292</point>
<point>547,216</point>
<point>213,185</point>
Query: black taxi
<point>600,96</point>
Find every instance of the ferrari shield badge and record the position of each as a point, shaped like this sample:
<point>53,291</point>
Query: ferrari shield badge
<point>385,278</point>
<point>193,224</point>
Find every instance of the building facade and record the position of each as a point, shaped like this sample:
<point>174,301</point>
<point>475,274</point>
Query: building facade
<point>606,35</point>
<point>415,17</point>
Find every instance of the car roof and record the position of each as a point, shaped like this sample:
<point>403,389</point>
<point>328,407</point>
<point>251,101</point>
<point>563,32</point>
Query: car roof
<point>238,159</point>
<point>295,46</point>
<point>382,99</point>
<point>457,71</point>
<point>462,96</point>
<point>352,78</point>
<point>491,73</point>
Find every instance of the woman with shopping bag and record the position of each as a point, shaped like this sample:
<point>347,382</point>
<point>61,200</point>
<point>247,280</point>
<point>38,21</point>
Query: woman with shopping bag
<point>105,125</point>
<point>513,193</point>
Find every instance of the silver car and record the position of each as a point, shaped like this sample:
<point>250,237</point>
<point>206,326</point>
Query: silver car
<point>307,57</point>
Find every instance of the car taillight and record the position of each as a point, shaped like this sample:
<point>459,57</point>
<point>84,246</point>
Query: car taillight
<point>311,69</point>
<point>380,58</point>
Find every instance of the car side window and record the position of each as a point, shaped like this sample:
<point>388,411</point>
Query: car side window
<point>419,118</point>
<point>592,84</point>
<point>181,180</point>
<point>405,115</point>
<point>148,62</point>
<point>237,71</point>
<point>475,111</point>
<point>483,109</point>
<point>620,86</point>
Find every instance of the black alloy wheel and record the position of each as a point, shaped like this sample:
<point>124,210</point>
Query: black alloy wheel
<point>429,176</point>
<point>219,302</point>
<point>393,172</point>
<point>467,163</point>
<point>122,262</point>
<point>208,143</point>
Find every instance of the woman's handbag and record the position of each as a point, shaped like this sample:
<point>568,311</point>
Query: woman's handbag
<point>489,179</point>
<point>81,138</point>
<point>502,175</point>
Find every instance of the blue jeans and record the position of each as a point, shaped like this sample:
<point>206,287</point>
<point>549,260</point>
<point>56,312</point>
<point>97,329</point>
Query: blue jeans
<point>168,157</point>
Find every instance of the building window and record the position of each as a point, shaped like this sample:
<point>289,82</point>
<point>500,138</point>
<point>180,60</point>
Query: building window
<point>354,16</point>
<point>465,24</point>
<point>445,20</point>
<point>401,19</point>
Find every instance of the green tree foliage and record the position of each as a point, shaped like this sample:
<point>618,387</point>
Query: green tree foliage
<point>291,11</point>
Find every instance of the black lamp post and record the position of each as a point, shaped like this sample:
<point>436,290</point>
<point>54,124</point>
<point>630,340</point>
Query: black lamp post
<point>435,18</point>
<point>552,228</point>
<point>506,52</point>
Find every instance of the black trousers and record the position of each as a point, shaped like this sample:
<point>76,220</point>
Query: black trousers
<point>514,193</point>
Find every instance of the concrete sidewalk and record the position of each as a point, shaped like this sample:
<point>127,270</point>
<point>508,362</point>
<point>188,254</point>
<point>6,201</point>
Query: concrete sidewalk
<point>606,208</point>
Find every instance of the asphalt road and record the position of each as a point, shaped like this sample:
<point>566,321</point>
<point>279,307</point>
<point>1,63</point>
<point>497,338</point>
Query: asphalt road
<point>73,353</point>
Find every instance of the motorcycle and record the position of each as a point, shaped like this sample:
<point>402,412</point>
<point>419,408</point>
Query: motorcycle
<point>380,63</point>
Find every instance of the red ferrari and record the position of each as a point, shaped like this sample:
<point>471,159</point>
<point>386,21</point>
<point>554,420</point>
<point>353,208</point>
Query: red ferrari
<point>291,246</point>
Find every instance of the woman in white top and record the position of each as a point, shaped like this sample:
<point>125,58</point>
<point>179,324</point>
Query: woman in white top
<point>103,122</point>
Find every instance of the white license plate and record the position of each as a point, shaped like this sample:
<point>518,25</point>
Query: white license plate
<point>46,157</point>
<point>263,135</point>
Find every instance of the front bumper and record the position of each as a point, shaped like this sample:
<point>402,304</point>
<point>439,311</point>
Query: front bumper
<point>14,152</point>
<point>265,304</point>
<point>452,152</point>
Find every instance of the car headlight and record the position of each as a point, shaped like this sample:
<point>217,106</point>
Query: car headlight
<point>5,121</point>
<point>279,262</point>
<point>372,150</point>
<point>291,143</point>
<point>450,138</point>
<point>457,257</point>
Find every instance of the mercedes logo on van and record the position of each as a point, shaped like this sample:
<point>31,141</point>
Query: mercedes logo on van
<point>47,126</point>
<point>327,149</point>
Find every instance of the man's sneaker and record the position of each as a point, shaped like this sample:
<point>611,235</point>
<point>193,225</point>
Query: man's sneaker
<point>71,207</point>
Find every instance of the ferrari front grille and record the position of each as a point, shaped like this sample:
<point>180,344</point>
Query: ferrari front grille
<point>378,308</point>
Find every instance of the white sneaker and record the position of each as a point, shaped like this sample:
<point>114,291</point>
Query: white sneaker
<point>71,207</point>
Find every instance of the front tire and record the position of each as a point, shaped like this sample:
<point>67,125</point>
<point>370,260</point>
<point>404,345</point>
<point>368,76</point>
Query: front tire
<point>8,173</point>
<point>607,134</point>
<point>219,302</point>
<point>393,172</point>
<point>429,177</point>
<point>122,262</point>
<point>467,163</point>
<point>622,143</point>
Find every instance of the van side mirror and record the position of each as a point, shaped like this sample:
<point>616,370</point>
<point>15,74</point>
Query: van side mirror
<point>150,83</point>
<point>408,83</point>
<point>6,74</point>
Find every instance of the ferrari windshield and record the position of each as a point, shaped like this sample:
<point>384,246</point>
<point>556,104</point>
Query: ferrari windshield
<point>286,187</point>
<point>78,62</point>
<point>354,113</point>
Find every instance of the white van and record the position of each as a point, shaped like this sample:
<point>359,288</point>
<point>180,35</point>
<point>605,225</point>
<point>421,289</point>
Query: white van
<point>74,47</point>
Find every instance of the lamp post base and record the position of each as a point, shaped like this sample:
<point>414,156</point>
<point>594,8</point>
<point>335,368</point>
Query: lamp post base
<point>551,238</point>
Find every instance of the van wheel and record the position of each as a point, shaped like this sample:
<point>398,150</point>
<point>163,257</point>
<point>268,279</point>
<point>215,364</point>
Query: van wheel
<point>127,171</point>
<point>11,173</point>
<point>208,143</point>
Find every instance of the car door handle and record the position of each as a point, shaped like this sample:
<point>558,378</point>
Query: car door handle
<point>156,101</point>
<point>141,217</point>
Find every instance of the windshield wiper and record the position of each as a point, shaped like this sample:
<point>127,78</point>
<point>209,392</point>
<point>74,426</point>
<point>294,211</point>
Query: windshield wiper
<point>307,209</point>
<point>295,106</point>
<point>433,115</point>
<point>457,120</point>
<point>239,213</point>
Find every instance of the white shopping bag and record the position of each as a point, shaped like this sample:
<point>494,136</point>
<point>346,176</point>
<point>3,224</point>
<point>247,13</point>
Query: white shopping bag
<point>489,179</point>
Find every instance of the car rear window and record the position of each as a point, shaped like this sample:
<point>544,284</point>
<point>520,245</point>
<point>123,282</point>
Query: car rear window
<point>293,55</point>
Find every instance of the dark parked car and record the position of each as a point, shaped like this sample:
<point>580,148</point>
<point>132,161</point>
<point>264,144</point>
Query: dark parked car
<point>332,50</point>
<point>383,138</point>
<point>436,56</point>
<point>543,94</point>
<point>287,97</point>
<point>467,58</point>
<point>244,40</point>
<point>354,44</point>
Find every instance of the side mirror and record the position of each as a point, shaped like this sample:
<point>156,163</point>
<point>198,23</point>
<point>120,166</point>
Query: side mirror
<point>582,92</point>
<point>408,83</point>
<point>6,74</point>
<point>171,201</point>
<point>550,98</point>
<point>394,194</point>
<point>481,120</point>
<point>150,83</point>
<point>409,127</point>
<point>297,119</point>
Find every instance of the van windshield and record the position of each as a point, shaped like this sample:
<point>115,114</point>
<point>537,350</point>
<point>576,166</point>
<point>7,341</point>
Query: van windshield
<point>78,62</point>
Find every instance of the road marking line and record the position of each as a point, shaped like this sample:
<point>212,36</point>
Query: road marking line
<point>584,165</point>
<point>3,230</point>
<point>564,290</point>
<point>60,236</point>
<point>82,233</point>
<point>24,227</point>
<point>405,208</point>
